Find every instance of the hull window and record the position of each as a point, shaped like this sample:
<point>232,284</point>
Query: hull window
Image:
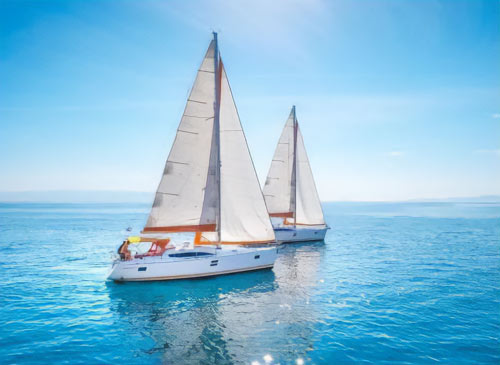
<point>190,254</point>
<point>143,268</point>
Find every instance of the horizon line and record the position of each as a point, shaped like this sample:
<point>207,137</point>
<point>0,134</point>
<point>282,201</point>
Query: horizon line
<point>19,199</point>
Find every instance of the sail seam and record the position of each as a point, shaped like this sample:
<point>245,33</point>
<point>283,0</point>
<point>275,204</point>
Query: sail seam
<point>180,163</point>
<point>195,116</point>
<point>161,192</point>
<point>180,130</point>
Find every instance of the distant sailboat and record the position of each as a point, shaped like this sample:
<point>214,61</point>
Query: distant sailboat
<point>210,188</point>
<point>290,193</point>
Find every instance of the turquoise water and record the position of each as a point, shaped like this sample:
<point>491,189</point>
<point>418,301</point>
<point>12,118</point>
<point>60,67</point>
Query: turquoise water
<point>406,283</point>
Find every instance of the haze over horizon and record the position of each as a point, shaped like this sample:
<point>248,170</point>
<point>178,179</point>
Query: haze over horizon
<point>117,196</point>
<point>396,100</point>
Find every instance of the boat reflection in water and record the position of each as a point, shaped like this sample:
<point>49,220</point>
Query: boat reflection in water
<point>226,319</point>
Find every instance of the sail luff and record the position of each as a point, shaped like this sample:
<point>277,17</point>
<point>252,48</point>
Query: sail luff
<point>218,75</point>
<point>293,194</point>
<point>218,78</point>
<point>213,176</point>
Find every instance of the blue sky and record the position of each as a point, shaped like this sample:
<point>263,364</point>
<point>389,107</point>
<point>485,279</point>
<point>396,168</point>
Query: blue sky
<point>396,99</point>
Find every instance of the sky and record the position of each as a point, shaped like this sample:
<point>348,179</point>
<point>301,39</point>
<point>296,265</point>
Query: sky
<point>396,99</point>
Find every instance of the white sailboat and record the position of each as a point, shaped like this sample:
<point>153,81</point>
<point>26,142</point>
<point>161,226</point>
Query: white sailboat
<point>209,190</point>
<point>290,193</point>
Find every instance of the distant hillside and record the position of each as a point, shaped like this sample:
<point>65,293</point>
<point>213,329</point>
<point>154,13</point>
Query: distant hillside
<point>70,196</point>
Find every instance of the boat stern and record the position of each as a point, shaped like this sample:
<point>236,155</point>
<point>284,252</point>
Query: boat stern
<point>116,272</point>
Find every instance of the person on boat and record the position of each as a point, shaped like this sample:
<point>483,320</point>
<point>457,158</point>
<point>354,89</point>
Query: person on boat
<point>157,248</point>
<point>124,252</point>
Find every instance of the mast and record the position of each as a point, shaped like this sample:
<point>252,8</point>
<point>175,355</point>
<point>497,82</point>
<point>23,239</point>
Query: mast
<point>294,169</point>
<point>207,168</point>
<point>217,76</point>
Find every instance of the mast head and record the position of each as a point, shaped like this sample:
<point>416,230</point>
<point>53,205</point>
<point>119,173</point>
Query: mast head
<point>217,55</point>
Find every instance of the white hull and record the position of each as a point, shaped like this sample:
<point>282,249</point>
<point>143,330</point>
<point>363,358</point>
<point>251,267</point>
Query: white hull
<point>174,264</point>
<point>286,234</point>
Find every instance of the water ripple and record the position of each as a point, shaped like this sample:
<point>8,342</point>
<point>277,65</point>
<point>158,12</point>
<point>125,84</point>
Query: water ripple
<point>392,283</point>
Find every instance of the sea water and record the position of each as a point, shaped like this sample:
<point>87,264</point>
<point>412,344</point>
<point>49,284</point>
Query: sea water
<point>406,283</point>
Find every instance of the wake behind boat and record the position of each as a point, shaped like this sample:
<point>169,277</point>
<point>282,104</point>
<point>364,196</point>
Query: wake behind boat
<point>209,189</point>
<point>290,192</point>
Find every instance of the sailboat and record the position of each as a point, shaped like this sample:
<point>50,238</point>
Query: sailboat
<point>290,192</point>
<point>209,196</point>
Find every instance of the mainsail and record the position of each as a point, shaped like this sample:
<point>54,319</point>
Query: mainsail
<point>289,190</point>
<point>209,184</point>
<point>179,201</point>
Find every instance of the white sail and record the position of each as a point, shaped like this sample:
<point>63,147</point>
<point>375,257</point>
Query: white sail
<point>187,195</point>
<point>309,209</point>
<point>209,183</point>
<point>244,216</point>
<point>209,186</point>
<point>289,190</point>
<point>278,186</point>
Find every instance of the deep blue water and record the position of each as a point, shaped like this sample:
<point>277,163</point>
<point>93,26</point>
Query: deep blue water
<point>406,283</point>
